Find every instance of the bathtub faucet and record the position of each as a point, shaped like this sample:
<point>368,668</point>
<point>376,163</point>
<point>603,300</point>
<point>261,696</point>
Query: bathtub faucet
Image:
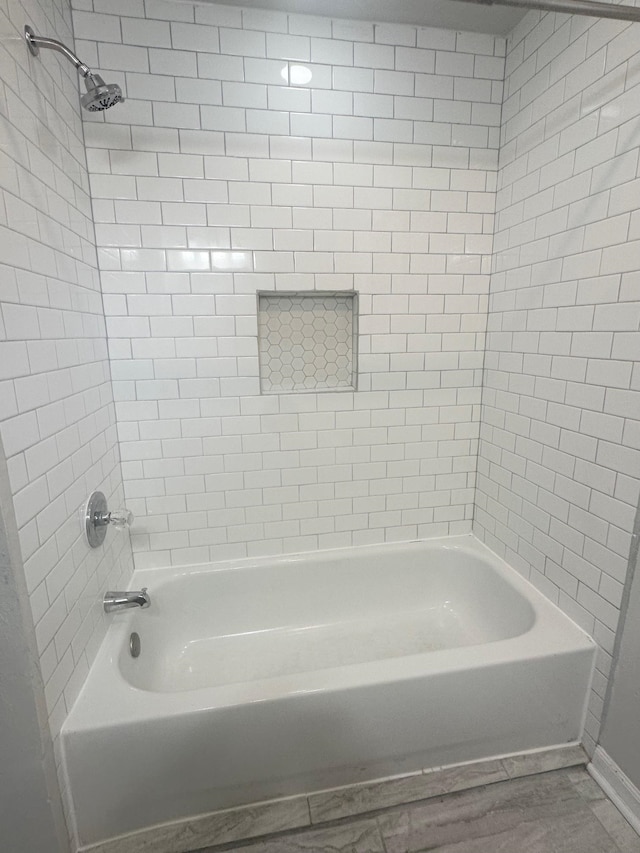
<point>123,600</point>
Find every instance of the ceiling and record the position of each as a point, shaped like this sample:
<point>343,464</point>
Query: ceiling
<point>449,14</point>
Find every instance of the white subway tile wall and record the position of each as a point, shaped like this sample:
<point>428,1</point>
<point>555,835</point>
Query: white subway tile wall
<point>559,466</point>
<point>265,151</point>
<point>57,417</point>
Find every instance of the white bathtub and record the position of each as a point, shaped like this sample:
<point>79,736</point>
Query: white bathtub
<point>263,678</point>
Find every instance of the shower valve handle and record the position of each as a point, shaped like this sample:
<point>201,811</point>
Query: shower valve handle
<point>97,518</point>
<point>120,518</point>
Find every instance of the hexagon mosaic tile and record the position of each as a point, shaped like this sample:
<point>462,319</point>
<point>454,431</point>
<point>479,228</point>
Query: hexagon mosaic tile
<point>307,341</point>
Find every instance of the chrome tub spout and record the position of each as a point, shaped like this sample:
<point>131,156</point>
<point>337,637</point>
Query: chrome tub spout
<point>124,600</point>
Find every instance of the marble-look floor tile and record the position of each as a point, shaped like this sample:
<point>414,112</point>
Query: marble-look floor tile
<point>561,811</point>
<point>618,828</point>
<point>358,799</point>
<point>492,810</point>
<point>587,787</point>
<point>543,761</point>
<point>217,828</point>
<point>355,836</point>
<point>570,833</point>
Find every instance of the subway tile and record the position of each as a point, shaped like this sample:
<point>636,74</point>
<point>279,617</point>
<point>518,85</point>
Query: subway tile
<point>331,51</point>
<point>373,55</point>
<point>195,37</point>
<point>242,42</point>
<point>124,57</point>
<point>280,46</point>
<point>145,32</point>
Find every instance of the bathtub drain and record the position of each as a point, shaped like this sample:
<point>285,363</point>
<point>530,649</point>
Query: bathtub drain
<point>134,644</point>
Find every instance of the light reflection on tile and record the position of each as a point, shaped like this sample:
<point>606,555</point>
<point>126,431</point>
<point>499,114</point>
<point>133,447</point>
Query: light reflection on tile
<point>235,261</point>
<point>188,260</point>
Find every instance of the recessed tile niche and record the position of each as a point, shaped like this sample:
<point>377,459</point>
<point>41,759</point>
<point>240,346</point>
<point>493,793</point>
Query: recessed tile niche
<point>307,341</point>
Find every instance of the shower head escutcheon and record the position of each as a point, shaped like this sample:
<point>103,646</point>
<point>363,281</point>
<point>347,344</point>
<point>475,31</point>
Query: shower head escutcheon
<point>100,95</point>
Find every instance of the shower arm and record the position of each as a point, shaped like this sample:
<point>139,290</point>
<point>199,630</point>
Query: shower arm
<point>36,42</point>
<point>571,7</point>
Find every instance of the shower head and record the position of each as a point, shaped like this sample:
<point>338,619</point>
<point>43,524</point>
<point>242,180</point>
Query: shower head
<point>100,95</point>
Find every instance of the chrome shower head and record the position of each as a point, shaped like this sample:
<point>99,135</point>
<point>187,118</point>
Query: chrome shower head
<point>100,95</point>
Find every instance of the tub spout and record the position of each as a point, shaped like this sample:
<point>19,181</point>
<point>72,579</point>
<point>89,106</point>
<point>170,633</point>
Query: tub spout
<point>123,600</point>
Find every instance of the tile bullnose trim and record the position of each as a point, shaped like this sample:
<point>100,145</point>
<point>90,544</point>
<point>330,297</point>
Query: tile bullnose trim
<point>616,785</point>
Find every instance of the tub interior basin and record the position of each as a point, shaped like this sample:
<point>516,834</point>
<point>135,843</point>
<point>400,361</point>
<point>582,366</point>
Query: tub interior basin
<point>219,626</point>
